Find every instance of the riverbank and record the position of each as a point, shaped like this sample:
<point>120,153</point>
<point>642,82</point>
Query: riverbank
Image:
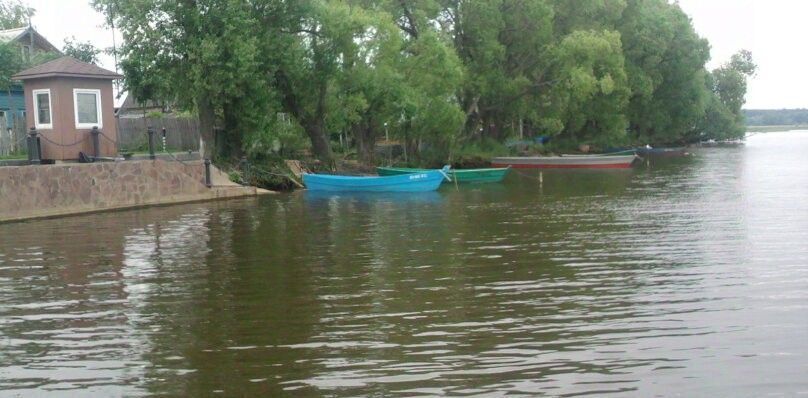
<point>771,129</point>
<point>28,192</point>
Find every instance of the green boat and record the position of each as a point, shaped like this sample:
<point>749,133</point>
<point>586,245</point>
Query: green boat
<point>462,175</point>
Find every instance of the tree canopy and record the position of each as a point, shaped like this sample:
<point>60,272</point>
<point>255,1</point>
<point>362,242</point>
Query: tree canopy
<point>433,74</point>
<point>14,14</point>
<point>82,51</point>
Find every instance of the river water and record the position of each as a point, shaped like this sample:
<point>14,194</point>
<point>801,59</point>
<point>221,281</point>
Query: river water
<point>681,277</point>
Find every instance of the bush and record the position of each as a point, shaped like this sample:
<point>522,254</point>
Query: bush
<point>478,153</point>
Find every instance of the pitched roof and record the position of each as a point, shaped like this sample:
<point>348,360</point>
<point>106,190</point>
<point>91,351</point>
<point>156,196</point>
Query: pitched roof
<point>66,67</point>
<point>131,103</point>
<point>10,35</point>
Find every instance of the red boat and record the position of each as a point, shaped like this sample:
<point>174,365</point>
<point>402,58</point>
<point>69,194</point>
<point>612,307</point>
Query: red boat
<point>566,162</point>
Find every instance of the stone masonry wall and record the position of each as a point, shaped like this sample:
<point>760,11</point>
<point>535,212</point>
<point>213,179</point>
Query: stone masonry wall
<point>51,190</point>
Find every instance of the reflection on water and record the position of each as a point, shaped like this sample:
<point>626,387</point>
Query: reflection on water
<point>682,276</point>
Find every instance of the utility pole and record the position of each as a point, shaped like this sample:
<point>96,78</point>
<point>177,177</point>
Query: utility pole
<point>114,47</point>
<point>30,38</point>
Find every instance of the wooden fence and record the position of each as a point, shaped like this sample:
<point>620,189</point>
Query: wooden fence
<point>182,133</point>
<point>12,140</point>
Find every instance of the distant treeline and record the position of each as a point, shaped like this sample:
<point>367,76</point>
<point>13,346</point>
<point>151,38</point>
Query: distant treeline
<point>776,117</point>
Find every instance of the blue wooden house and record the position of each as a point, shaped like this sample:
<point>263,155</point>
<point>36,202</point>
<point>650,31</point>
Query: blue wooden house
<point>29,41</point>
<point>12,102</point>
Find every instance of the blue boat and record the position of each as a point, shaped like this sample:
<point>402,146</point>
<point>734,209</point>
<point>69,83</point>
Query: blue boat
<point>416,182</point>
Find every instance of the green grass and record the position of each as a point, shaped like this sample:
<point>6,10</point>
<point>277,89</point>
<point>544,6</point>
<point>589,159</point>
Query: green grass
<point>17,156</point>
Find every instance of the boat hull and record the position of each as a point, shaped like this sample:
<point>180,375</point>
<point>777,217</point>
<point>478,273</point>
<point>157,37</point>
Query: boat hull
<point>414,182</point>
<point>566,162</point>
<point>468,176</point>
<point>663,152</point>
<point>655,152</point>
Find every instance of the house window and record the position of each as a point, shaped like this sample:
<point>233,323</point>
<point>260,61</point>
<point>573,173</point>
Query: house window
<point>26,53</point>
<point>42,107</point>
<point>87,105</point>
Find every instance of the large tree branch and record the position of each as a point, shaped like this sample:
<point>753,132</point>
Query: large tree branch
<point>412,29</point>
<point>301,30</point>
<point>527,90</point>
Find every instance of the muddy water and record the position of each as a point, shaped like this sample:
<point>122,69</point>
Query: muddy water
<point>681,277</point>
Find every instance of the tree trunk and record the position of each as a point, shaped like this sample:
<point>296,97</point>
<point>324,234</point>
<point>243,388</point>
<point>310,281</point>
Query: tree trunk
<point>411,148</point>
<point>232,147</point>
<point>206,132</point>
<point>320,146</point>
<point>366,142</point>
<point>315,128</point>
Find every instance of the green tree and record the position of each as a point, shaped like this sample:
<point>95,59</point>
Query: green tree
<point>404,83</point>
<point>594,91</point>
<point>724,118</point>
<point>571,16</point>
<point>201,55</point>
<point>14,14</point>
<point>433,73</point>
<point>10,63</point>
<point>505,46</point>
<point>82,51</point>
<point>314,38</point>
<point>665,60</point>
<point>729,81</point>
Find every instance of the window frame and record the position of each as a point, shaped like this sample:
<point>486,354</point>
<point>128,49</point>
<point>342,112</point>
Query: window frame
<point>99,113</point>
<point>37,124</point>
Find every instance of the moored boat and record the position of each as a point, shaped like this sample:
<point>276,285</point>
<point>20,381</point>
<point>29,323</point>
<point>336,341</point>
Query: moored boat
<point>461,175</point>
<point>650,151</point>
<point>663,152</point>
<point>566,162</point>
<point>415,182</point>
<point>617,152</point>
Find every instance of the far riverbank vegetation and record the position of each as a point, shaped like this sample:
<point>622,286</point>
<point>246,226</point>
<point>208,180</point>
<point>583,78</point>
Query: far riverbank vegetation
<point>764,120</point>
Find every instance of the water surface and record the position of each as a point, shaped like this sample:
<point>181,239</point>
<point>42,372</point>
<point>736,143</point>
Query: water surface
<point>682,277</point>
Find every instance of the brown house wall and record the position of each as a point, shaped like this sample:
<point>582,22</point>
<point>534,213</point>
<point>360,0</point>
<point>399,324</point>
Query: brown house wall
<point>65,141</point>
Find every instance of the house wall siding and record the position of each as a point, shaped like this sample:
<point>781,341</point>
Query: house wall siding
<point>12,102</point>
<point>65,141</point>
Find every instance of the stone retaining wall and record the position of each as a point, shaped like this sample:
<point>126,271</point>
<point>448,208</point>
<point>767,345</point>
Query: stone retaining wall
<point>61,189</point>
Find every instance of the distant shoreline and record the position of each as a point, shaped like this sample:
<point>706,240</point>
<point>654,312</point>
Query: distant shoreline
<point>767,129</point>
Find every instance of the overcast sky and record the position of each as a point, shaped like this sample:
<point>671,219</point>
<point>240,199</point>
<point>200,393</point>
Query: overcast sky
<point>774,30</point>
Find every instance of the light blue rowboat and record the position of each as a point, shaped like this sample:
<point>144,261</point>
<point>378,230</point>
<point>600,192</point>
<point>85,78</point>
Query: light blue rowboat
<point>416,182</point>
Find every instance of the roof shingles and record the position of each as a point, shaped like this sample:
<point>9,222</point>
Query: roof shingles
<point>68,67</point>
